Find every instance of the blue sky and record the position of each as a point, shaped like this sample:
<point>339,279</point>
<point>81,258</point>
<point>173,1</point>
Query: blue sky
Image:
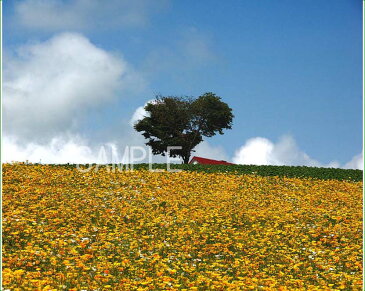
<point>291,71</point>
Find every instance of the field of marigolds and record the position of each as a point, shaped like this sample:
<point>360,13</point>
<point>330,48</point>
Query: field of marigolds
<point>140,230</point>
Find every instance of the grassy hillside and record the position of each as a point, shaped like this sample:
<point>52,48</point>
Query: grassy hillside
<point>190,230</point>
<point>265,171</point>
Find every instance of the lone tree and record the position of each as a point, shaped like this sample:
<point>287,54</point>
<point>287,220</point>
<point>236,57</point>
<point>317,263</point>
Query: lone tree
<point>183,121</point>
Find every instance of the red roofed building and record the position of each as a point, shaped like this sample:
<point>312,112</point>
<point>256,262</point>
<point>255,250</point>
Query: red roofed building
<point>203,161</point>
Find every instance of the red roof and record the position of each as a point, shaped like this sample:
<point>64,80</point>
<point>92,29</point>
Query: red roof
<point>205,161</point>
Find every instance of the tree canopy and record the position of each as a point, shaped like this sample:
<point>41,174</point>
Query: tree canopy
<point>183,121</point>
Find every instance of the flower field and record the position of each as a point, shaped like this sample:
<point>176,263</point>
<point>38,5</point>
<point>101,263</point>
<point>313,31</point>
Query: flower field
<point>68,230</point>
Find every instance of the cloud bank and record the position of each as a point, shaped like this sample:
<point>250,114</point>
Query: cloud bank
<point>51,87</point>
<point>48,86</point>
<point>57,151</point>
<point>139,113</point>
<point>357,162</point>
<point>85,15</point>
<point>262,151</point>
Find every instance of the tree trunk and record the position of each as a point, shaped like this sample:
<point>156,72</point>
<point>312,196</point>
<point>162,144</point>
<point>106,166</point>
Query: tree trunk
<point>186,159</point>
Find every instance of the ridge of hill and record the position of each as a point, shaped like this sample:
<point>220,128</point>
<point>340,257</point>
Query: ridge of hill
<point>262,170</point>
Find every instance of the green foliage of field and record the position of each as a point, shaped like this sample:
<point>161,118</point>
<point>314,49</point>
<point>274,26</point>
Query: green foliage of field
<point>281,171</point>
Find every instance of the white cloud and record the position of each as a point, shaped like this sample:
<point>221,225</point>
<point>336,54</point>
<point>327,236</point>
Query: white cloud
<point>57,151</point>
<point>332,164</point>
<point>49,85</point>
<point>262,151</point>
<point>139,113</point>
<point>57,15</point>
<point>357,162</point>
<point>256,151</point>
<point>74,149</point>
<point>206,150</point>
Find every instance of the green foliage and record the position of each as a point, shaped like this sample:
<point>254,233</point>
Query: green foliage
<point>183,121</point>
<point>281,171</point>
